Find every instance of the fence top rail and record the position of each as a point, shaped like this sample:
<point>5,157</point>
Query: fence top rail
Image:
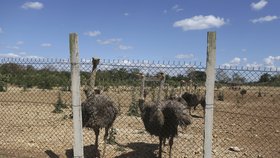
<point>103,61</point>
<point>244,68</point>
<point>34,59</point>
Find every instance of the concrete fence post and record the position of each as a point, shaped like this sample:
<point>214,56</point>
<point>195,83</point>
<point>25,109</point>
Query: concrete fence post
<point>76,100</point>
<point>210,82</point>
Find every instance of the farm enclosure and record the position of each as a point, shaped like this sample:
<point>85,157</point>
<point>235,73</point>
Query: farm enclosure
<point>31,128</point>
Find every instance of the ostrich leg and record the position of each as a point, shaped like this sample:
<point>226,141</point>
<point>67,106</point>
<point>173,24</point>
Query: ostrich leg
<point>96,131</point>
<point>190,110</point>
<point>105,141</point>
<point>160,147</point>
<point>170,146</point>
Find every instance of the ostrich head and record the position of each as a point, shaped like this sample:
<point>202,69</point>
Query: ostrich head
<point>95,62</point>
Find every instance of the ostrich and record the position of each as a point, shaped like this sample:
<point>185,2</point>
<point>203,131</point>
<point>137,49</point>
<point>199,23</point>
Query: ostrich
<point>162,118</point>
<point>98,111</point>
<point>192,100</point>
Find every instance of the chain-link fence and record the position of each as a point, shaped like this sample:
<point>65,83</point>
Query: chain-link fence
<point>36,113</point>
<point>247,113</point>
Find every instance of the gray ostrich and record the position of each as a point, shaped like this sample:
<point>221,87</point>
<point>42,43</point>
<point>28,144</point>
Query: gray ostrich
<point>98,111</point>
<point>162,118</point>
<point>192,100</point>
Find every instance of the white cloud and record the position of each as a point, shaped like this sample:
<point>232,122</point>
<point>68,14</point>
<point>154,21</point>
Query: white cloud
<point>254,65</point>
<point>92,33</point>
<point>33,57</point>
<point>184,56</point>
<point>46,45</point>
<point>109,41</point>
<point>269,63</point>
<point>22,53</point>
<point>9,55</point>
<point>244,50</point>
<point>117,42</point>
<point>1,30</point>
<point>125,62</point>
<point>226,65</point>
<point>260,5</point>
<point>200,22</point>
<point>271,59</point>
<point>19,55</point>
<point>273,68</point>
<point>234,62</point>
<point>176,8</point>
<point>16,46</point>
<point>19,43</point>
<point>33,5</point>
<point>265,19</point>
<point>126,14</point>
<point>13,47</point>
<point>124,47</point>
<point>165,11</point>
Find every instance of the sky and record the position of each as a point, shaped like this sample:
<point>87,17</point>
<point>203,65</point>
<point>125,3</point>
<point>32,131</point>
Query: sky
<point>247,31</point>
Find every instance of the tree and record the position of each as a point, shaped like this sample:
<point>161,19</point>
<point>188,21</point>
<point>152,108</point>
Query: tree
<point>236,78</point>
<point>222,76</point>
<point>197,76</point>
<point>11,68</point>
<point>265,78</point>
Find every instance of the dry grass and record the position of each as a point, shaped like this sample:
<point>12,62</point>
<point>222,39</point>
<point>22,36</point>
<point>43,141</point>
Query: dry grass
<point>28,128</point>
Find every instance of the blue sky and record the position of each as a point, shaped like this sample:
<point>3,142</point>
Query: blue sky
<point>248,31</point>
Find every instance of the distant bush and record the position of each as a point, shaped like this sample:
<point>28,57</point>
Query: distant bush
<point>221,96</point>
<point>133,108</point>
<point>243,92</point>
<point>59,105</point>
<point>218,85</point>
<point>111,136</point>
<point>3,83</point>
<point>259,93</point>
<point>3,87</point>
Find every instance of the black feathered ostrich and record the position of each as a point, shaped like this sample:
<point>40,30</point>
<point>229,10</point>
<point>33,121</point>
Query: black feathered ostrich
<point>162,118</point>
<point>98,111</point>
<point>192,100</point>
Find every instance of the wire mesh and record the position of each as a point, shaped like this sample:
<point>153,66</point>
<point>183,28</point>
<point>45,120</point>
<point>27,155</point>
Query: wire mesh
<point>247,113</point>
<point>36,114</point>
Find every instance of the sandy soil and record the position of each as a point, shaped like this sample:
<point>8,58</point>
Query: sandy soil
<point>28,128</point>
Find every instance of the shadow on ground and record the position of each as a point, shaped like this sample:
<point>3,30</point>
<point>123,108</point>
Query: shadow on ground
<point>89,152</point>
<point>140,150</point>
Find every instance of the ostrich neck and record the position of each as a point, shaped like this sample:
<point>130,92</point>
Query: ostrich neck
<point>92,81</point>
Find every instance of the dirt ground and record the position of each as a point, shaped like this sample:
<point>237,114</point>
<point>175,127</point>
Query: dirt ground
<point>28,128</point>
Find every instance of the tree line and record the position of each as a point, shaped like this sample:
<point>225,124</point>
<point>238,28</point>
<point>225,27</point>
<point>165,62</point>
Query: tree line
<point>27,76</point>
